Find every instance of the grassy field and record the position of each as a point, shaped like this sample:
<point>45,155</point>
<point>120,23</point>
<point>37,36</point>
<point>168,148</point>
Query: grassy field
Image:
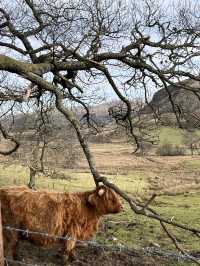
<point>140,182</point>
<point>175,179</point>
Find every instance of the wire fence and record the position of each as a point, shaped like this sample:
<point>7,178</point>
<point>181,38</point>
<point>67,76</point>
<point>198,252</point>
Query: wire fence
<point>27,233</point>
<point>148,251</point>
<point>8,261</point>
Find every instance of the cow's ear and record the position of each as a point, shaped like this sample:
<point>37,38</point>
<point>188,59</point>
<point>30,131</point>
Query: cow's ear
<point>91,199</point>
<point>101,192</point>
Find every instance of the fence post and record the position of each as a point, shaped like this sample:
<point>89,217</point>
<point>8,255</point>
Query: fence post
<point>1,241</point>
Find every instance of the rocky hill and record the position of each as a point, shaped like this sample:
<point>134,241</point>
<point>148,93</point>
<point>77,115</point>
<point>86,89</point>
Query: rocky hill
<point>186,100</point>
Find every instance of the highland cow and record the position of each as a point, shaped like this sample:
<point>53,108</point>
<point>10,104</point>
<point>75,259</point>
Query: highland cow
<point>62,214</point>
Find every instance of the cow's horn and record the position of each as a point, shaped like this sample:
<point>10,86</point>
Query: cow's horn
<point>101,192</point>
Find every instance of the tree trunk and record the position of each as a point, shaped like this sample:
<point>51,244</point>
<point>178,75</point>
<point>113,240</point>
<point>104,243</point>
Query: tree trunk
<point>83,142</point>
<point>31,183</point>
<point>192,149</point>
<point>34,165</point>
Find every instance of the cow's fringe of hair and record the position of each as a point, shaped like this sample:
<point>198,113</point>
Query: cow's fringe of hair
<point>149,251</point>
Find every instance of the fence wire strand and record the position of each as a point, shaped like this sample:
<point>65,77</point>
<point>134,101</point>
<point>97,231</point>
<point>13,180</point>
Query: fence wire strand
<point>149,251</point>
<point>7,261</point>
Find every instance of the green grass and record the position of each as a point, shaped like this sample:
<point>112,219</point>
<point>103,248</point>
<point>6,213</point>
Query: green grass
<point>171,135</point>
<point>133,182</point>
<point>139,231</point>
<point>128,228</point>
<point>13,174</point>
<point>182,264</point>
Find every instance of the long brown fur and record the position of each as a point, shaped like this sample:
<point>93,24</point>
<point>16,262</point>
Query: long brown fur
<point>62,214</point>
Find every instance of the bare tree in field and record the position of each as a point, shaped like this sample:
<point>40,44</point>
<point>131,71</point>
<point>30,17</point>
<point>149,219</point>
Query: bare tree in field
<point>192,141</point>
<point>45,146</point>
<point>73,52</point>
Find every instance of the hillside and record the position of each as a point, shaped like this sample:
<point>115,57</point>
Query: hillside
<point>185,99</point>
<point>186,103</point>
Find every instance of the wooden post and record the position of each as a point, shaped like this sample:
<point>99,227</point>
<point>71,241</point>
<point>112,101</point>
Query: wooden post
<point>1,241</point>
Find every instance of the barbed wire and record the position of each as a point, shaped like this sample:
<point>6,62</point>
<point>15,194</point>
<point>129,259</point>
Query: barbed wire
<point>27,232</point>
<point>7,261</point>
<point>159,252</point>
<point>149,251</point>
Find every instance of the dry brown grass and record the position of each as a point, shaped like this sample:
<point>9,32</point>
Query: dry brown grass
<point>175,174</point>
<point>164,173</point>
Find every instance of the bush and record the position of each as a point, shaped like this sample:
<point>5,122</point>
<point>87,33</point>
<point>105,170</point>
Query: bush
<point>59,175</point>
<point>168,149</point>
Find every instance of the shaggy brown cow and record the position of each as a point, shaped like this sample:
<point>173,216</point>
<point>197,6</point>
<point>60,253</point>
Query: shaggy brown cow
<point>62,214</point>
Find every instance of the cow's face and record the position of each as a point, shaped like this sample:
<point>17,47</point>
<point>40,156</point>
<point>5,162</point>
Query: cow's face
<point>105,200</point>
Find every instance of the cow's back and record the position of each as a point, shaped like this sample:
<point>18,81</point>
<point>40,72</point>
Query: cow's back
<point>38,211</point>
<point>50,212</point>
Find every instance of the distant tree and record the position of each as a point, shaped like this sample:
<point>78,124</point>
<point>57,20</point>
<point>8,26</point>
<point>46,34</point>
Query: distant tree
<point>44,146</point>
<point>144,126</point>
<point>192,141</point>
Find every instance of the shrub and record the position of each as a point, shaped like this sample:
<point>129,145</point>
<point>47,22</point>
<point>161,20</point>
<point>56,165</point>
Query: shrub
<point>59,175</point>
<point>168,149</point>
